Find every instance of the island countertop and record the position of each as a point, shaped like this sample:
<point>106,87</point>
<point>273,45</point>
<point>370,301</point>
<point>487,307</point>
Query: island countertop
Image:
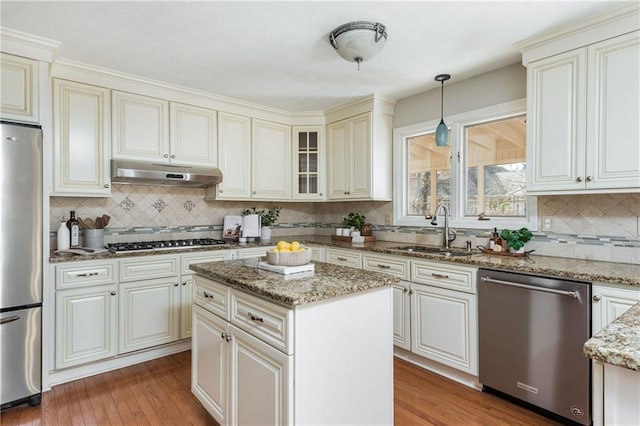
<point>328,281</point>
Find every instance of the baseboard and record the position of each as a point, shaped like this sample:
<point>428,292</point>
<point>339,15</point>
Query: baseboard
<point>87,370</point>
<point>440,369</point>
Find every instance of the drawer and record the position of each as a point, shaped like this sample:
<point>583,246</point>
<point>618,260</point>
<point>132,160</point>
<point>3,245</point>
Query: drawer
<point>318,254</point>
<point>210,256</point>
<point>445,276</point>
<point>212,296</point>
<point>148,267</point>
<point>81,274</point>
<point>344,257</point>
<point>267,321</point>
<point>398,267</point>
<point>254,252</point>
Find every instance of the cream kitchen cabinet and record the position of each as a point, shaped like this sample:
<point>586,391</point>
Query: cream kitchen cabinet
<point>608,303</point>
<point>270,160</point>
<point>308,163</point>
<point>82,139</point>
<point>234,158</point>
<point>156,130</point>
<point>186,284</point>
<point>584,118</point>
<point>344,257</point>
<point>20,89</point>
<point>86,312</point>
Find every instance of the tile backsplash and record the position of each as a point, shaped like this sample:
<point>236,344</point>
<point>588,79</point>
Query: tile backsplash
<point>598,227</point>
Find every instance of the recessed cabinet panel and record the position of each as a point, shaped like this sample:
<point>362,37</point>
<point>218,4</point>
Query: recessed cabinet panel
<point>271,160</point>
<point>194,135</point>
<point>402,315</point>
<point>360,154</point>
<point>19,94</point>
<point>339,159</point>
<point>82,141</point>
<point>234,156</point>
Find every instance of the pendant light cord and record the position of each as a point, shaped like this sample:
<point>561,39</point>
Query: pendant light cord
<point>442,100</point>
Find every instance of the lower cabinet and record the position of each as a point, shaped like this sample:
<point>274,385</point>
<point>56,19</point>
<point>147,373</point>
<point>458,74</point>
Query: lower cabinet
<point>444,327</point>
<point>149,313</point>
<point>402,315</point>
<point>86,325</point>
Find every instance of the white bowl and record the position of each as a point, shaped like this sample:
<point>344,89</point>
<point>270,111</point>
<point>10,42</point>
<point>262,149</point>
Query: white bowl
<point>289,258</point>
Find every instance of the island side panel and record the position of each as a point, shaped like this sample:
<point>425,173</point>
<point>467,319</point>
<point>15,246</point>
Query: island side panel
<point>344,360</point>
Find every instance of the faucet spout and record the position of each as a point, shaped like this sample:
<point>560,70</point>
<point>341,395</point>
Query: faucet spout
<point>449,234</point>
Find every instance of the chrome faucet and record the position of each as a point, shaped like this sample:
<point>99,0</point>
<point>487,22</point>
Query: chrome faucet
<point>449,234</point>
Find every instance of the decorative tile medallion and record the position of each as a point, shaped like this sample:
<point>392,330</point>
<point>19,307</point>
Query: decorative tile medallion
<point>127,204</point>
<point>189,205</point>
<point>159,205</point>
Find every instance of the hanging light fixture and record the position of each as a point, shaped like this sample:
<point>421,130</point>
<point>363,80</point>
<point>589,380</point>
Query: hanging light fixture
<point>442,131</point>
<point>358,41</point>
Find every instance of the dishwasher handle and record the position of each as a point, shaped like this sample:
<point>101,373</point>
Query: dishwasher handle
<point>573,294</point>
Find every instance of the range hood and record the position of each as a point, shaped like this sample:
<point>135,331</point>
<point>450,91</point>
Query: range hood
<point>141,173</point>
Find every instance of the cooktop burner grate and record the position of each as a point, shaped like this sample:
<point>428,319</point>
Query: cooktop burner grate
<point>163,245</point>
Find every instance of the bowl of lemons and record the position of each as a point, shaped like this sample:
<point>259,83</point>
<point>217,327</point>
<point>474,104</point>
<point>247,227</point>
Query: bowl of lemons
<point>289,254</point>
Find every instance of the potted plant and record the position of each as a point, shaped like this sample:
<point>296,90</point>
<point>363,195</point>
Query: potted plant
<point>267,218</point>
<point>353,221</point>
<point>516,239</point>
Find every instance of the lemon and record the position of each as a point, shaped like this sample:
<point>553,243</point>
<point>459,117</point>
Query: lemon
<point>276,250</point>
<point>295,246</point>
<point>282,245</point>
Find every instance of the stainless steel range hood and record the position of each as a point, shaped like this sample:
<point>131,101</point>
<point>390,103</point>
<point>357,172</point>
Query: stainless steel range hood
<point>141,173</point>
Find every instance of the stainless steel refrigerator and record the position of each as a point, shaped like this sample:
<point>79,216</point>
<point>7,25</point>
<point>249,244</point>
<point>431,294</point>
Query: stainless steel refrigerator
<point>21,230</point>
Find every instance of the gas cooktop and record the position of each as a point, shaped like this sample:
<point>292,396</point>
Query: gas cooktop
<point>164,245</point>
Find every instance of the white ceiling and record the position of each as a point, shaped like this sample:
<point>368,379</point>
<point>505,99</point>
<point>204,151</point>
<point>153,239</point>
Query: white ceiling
<point>278,54</point>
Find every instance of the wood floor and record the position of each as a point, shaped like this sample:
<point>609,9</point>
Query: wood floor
<point>158,393</point>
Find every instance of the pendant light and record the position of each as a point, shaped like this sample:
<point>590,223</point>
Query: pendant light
<point>442,131</point>
<point>358,41</point>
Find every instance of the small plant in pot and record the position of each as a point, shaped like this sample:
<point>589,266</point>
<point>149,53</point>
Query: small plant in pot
<point>516,239</point>
<point>353,220</point>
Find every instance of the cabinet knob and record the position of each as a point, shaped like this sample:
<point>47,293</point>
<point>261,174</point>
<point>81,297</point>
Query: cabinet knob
<point>226,336</point>
<point>595,298</point>
<point>579,179</point>
<point>589,178</point>
<point>320,194</point>
<point>404,290</point>
<point>184,283</point>
<point>410,291</point>
<point>173,156</point>
<point>253,192</point>
<point>176,284</point>
<point>220,190</point>
<point>106,185</point>
<point>113,293</point>
<point>166,156</point>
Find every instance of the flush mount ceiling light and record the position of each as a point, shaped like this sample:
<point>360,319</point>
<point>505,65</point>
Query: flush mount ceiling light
<point>358,41</point>
<point>442,131</point>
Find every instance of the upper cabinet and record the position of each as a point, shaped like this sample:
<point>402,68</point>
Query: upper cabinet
<point>19,89</point>
<point>308,163</point>
<point>359,154</point>
<point>150,129</point>
<point>255,158</point>
<point>82,139</point>
<point>583,123</point>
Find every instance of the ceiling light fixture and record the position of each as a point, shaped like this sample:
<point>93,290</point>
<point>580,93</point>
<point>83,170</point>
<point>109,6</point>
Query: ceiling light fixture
<point>442,131</point>
<point>358,41</point>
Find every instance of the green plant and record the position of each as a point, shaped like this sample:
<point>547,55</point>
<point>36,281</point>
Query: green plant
<point>516,239</point>
<point>353,219</point>
<point>267,217</point>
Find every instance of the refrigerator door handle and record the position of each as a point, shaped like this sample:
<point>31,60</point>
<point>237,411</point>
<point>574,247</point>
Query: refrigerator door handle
<point>7,320</point>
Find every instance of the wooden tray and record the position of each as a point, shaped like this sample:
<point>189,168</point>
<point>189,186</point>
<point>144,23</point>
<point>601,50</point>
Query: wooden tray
<point>367,239</point>
<point>505,253</point>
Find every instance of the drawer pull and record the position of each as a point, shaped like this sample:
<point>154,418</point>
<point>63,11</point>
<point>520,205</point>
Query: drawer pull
<point>87,274</point>
<point>207,295</point>
<point>254,318</point>
<point>384,266</point>
<point>343,259</point>
<point>440,275</point>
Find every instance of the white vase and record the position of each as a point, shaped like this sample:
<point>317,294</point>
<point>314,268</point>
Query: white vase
<point>520,250</point>
<point>265,234</point>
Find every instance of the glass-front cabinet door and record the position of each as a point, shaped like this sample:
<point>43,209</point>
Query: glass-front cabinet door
<point>308,163</point>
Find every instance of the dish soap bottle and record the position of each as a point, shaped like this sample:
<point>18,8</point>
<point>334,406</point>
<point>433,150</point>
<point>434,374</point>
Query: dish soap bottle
<point>63,236</point>
<point>74,230</point>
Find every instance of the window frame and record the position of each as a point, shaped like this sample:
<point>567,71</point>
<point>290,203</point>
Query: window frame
<point>457,124</point>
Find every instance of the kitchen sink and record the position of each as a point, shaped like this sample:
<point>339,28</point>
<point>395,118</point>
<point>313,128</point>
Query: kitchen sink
<point>433,250</point>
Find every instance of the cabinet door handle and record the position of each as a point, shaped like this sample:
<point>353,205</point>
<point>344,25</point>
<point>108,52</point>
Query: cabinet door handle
<point>384,266</point>
<point>87,274</point>
<point>404,289</point>
<point>166,156</point>
<point>173,156</point>
<point>579,179</point>
<point>253,192</point>
<point>410,291</point>
<point>113,293</point>
<point>184,283</point>
<point>220,190</point>
<point>207,295</point>
<point>226,336</point>
<point>439,275</point>
<point>343,259</point>
<point>589,178</point>
<point>106,185</point>
<point>176,284</point>
<point>254,318</point>
<point>595,298</point>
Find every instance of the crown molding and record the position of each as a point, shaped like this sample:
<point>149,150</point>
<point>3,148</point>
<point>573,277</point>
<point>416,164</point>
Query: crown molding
<point>28,45</point>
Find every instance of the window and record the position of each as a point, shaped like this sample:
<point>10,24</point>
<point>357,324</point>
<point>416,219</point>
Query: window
<point>481,171</point>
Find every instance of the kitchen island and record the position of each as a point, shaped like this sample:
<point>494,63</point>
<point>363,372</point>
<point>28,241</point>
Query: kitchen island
<point>256,333</point>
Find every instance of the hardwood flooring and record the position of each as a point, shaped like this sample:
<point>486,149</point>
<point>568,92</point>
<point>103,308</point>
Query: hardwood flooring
<point>158,392</point>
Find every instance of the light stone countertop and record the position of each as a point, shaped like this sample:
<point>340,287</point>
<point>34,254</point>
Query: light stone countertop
<point>619,342</point>
<point>328,281</point>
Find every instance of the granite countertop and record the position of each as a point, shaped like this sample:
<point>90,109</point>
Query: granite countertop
<point>619,342</point>
<point>328,281</point>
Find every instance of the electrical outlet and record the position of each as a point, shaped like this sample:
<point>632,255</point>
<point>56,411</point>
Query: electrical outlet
<point>388,218</point>
<point>546,223</point>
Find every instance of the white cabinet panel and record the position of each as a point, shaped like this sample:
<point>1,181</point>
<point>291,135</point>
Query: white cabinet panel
<point>83,274</point>
<point>360,154</point>
<point>82,139</point>
<point>19,94</point>
<point>402,315</point>
<point>271,160</point>
<point>609,303</point>
<point>338,163</point>
<point>193,135</point>
<point>148,313</point>
<point>308,163</point>
<point>234,156</point>
<point>621,396</point>
<point>86,325</point>
<point>148,267</point>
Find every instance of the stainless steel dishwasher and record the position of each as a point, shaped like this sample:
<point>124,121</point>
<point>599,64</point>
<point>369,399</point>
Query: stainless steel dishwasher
<point>531,331</point>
